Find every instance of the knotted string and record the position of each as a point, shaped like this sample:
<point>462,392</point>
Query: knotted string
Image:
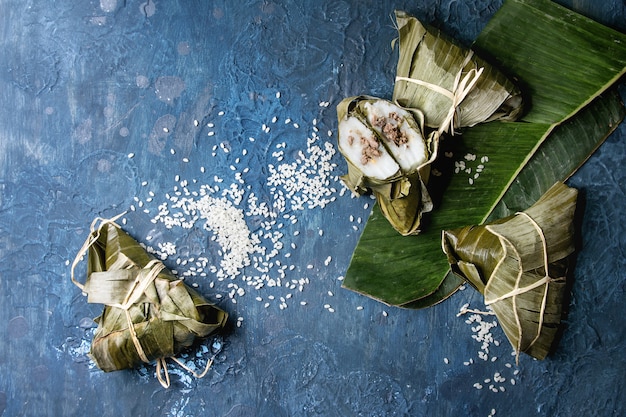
<point>546,280</point>
<point>465,310</point>
<point>93,237</point>
<point>142,282</point>
<point>460,89</point>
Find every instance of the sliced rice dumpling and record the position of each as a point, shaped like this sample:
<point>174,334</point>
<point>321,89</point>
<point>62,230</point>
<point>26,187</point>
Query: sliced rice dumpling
<point>520,265</point>
<point>387,154</point>
<point>447,82</point>
<point>149,314</point>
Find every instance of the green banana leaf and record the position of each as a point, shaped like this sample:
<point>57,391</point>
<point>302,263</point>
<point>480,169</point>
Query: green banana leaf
<point>565,150</point>
<point>565,62</point>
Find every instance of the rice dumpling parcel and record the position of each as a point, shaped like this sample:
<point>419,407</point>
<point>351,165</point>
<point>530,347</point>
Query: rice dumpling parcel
<point>387,154</point>
<point>149,314</point>
<point>389,145</point>
<point>520,264</point>
<point>448,83</point>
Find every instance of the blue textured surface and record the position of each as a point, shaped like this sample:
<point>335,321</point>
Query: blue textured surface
<point>85,84</point>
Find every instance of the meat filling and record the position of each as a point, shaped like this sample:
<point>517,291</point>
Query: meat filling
<point>391,128</point>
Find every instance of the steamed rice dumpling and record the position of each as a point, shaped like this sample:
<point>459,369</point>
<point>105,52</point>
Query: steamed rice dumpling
<point>520,265</point>
<point>387,154</point>
<point>439,86</point>
<point>149,314</point>
<point>448,83</point>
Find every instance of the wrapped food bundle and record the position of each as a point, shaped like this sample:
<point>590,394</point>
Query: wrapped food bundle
<point>439,86</point>
<point>449,84</point>
<point>387,154</point>
<point>520,264</point>
<point>149,314</point>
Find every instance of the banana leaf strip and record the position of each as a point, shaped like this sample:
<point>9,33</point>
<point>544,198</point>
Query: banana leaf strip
<point>149,313</point>
<point>520,265</point>
<point>525,158</point>
<point>387,154</point>
<point>451,85</point>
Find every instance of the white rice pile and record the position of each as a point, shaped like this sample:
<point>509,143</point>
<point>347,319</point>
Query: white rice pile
<point>253,238</point>
<point>482,333</point>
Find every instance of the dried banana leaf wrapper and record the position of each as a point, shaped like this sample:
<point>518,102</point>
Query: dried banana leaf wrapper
<point>387,154</point>
<point>572,112</point>
<point>149,314</point>
<point>447,82</point>
<point>520,264</point>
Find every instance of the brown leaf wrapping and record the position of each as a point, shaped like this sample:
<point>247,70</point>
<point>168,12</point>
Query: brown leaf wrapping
<point>520,264</point>
<point>447,82</point>
<point>149,314</point>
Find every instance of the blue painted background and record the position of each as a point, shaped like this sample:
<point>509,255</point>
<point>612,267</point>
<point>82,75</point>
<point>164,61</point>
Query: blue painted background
<point>85,84</point>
